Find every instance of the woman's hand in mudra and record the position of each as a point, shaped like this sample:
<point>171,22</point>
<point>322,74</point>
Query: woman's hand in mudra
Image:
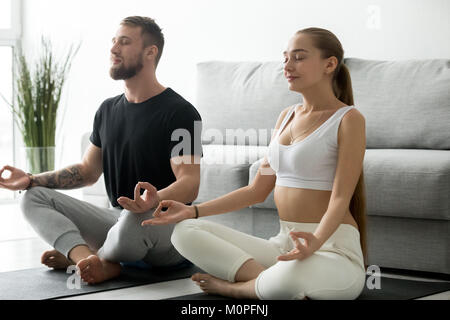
<point>176,212</point>
<point>301,251</point>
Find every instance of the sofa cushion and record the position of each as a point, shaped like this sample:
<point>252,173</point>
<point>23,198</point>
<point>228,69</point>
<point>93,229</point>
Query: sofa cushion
<point>412,244</point>
<point>409,183</point>
<point>406,103</point>
<point>224,168</point>
<point>219,179</point>
<point>241,95</point>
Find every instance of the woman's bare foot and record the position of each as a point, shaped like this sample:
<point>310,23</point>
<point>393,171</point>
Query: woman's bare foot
<point>213,285</point>
<point>96,270</point>
<point>237,290</point>
<point>55,259</point>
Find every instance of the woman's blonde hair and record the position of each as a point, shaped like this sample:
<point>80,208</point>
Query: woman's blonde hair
<point>329,46</point>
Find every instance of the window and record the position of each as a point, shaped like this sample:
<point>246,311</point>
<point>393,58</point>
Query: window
<point>6,120</point>
<point>10,24</point>
<point>5,14</point>
<point>10,29</point>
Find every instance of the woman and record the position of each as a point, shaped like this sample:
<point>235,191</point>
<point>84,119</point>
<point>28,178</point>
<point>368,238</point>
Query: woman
<point>317,153</point>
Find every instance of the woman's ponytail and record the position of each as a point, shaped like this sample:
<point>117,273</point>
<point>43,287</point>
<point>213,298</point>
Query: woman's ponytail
<point>342,85</point>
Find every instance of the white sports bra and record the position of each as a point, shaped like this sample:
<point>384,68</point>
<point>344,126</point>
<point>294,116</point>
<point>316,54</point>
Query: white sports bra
<point>311,162</point>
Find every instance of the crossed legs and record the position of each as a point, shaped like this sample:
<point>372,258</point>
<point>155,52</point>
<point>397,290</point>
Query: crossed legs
<point>246,267</point>
<point>95,239</point>
<point>233,259</point>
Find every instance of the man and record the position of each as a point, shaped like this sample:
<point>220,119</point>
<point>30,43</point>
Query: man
<point>131,142</point>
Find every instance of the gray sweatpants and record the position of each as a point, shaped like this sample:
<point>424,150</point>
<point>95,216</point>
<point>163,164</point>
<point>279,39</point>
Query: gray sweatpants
<point>115,234</point>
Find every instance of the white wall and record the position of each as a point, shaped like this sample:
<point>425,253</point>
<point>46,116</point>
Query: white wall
<point>221,30</point>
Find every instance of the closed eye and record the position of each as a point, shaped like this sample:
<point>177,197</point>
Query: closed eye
<point>296,59</point>
<point>122,41</point>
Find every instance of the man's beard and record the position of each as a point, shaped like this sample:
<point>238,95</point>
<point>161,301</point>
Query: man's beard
<point>124,73</point>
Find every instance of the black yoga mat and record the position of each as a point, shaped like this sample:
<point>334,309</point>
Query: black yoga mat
<point>44,283</point>
<point>391,289</point>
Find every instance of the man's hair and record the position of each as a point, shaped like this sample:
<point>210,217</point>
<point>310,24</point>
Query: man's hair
<point>151,32</point>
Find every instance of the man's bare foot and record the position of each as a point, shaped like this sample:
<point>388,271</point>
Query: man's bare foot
<point>213,285</point>
<point>55,259</point>
<point>96,270</point>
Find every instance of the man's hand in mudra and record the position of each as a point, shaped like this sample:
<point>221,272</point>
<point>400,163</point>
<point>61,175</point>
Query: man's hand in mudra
<point>141,203</point>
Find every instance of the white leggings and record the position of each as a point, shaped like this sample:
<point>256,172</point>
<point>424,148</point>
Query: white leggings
<point>335,271</point>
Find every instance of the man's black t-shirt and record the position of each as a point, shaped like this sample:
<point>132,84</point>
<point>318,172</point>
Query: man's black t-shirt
<point>137,143</point>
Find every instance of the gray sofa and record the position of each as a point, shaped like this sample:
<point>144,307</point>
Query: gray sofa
<point>407,162</point>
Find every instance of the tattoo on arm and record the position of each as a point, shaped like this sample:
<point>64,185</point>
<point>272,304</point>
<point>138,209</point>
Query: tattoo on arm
<point>67,178</point>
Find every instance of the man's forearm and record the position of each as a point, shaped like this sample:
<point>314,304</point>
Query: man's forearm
<point>184,190</point>
<point>71,177</point>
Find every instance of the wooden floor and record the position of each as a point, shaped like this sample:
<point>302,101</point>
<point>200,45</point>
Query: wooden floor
<point>20,248</point>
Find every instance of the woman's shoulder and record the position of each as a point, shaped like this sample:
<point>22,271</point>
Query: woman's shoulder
<point>352,123</point>
<point>283,115</point>
<point>352,114</point>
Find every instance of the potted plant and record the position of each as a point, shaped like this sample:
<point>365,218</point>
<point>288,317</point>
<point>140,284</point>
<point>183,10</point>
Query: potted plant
<point>37,96</point>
